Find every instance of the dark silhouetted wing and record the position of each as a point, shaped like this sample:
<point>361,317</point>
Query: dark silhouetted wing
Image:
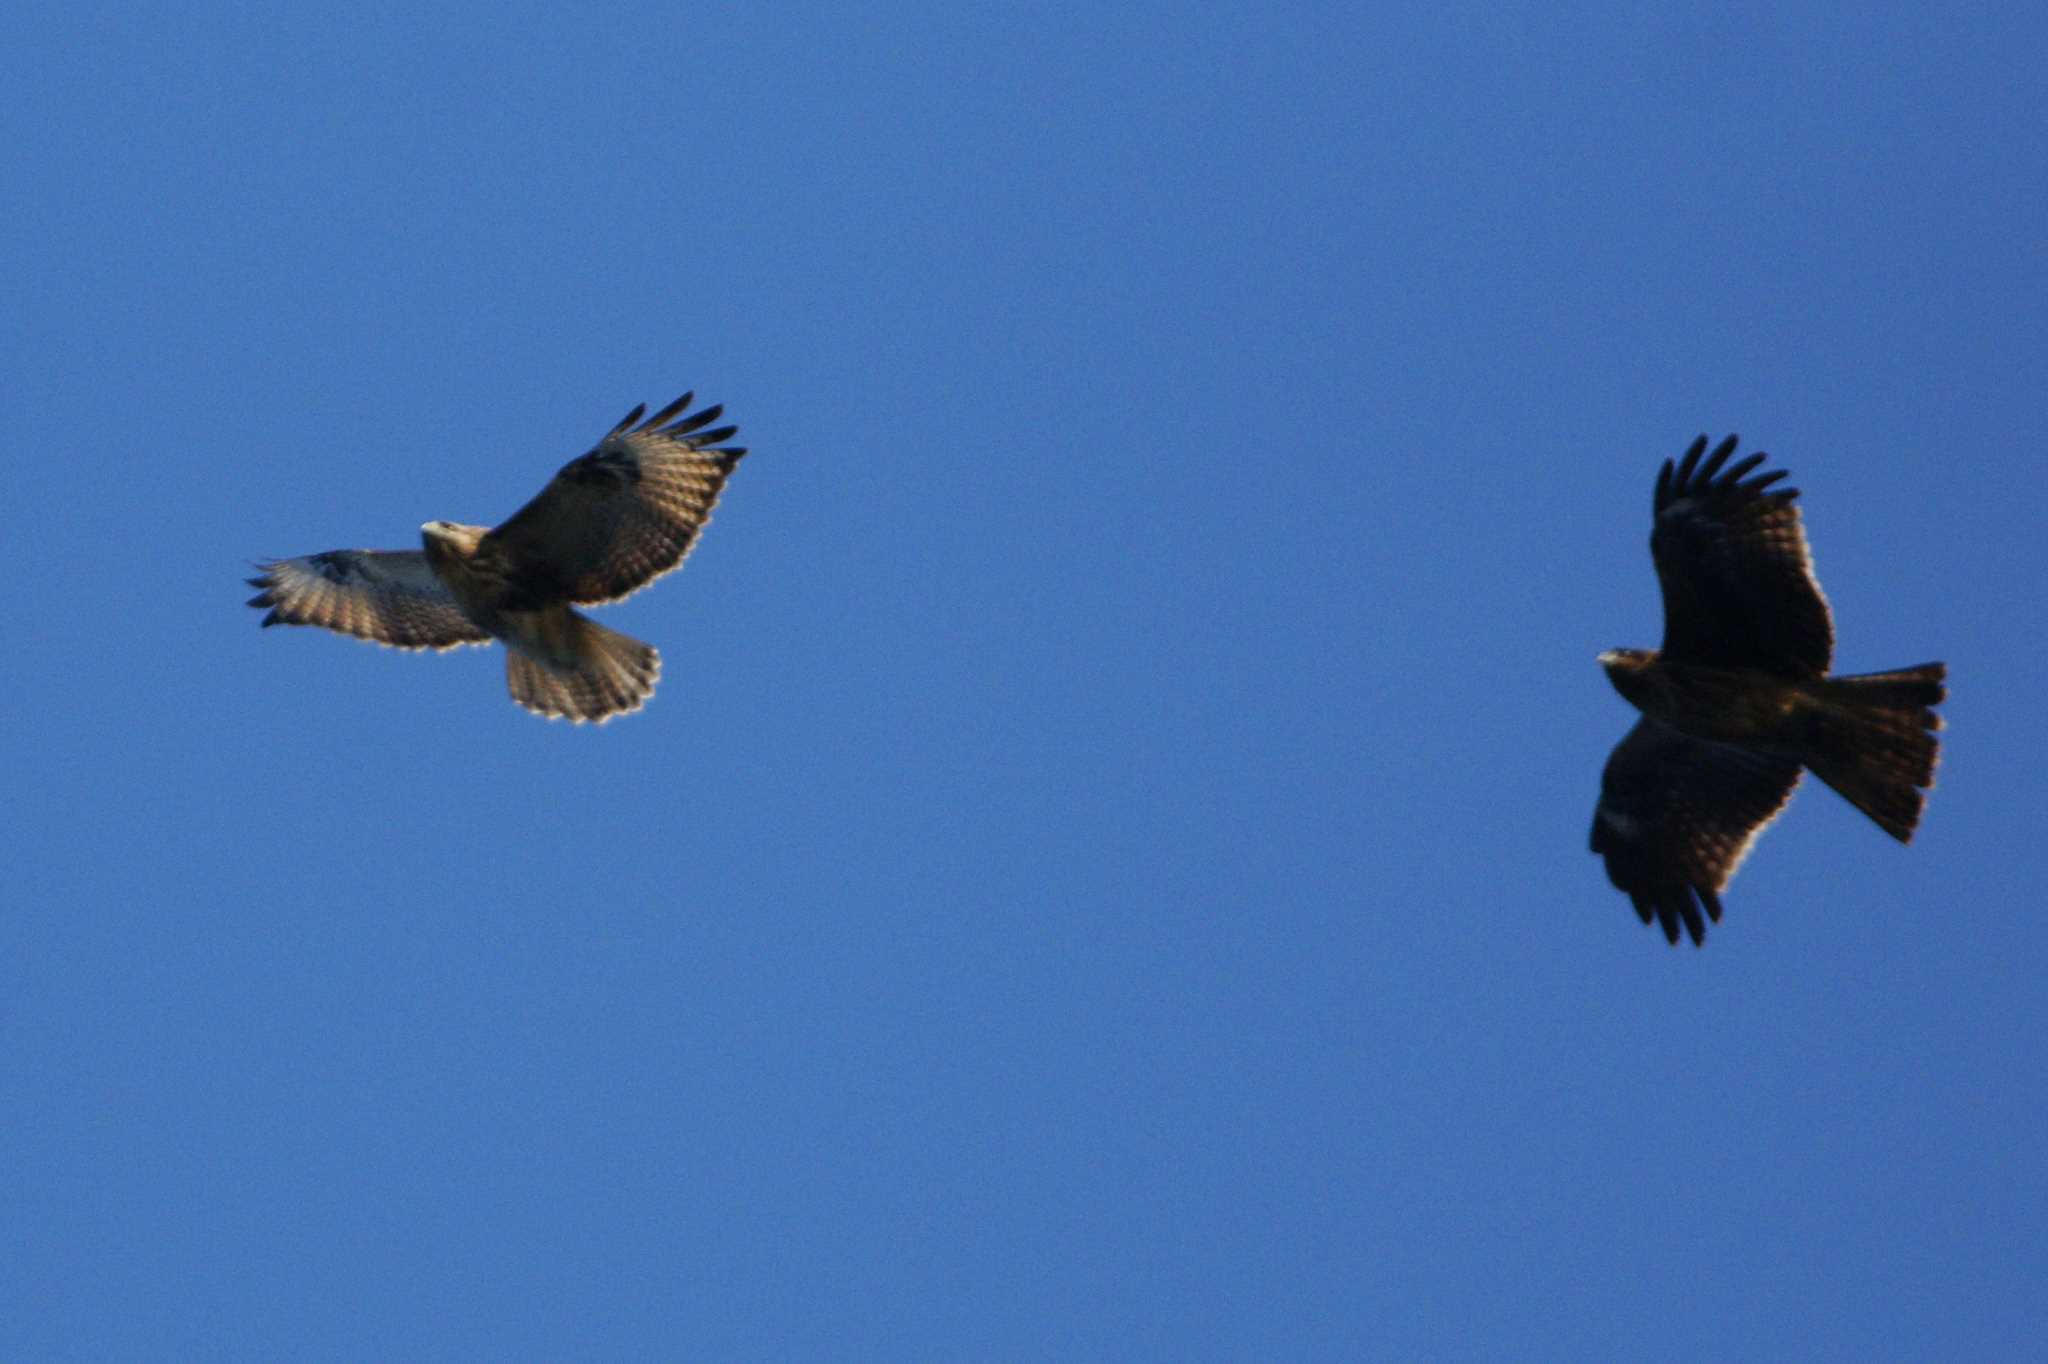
<point>1677,816</point>
<point>616,519</point>
<point>388,596</point>
<point>1739,590</point>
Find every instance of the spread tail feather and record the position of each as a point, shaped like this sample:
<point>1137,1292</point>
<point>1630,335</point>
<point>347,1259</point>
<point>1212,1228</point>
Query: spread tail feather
<point>602,673</point>
<point>1872,740</point>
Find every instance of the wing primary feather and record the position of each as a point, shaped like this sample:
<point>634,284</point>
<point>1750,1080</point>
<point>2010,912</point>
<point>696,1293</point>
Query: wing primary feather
<point>1693,923</point>
<point>1718,458</point>
<point>1762,481</point>
<point>709,438</point>
<point>1734,472</point>
<point>661,417</point>
<point>627,420</point>
<point>692,422</point>
<point>1685,466</point>
<point>1711,901</point>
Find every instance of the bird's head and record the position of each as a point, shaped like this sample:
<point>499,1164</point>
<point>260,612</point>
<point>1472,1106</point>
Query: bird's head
<point>450,539</point>
<point>1628,670</point>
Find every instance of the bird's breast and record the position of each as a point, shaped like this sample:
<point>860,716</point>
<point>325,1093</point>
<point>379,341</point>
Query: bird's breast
<point>1727,705</point>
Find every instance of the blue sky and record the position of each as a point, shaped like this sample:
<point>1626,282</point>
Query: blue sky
<point>1104,874</point>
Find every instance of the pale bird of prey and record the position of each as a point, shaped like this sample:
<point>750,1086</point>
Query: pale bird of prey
<point>611,522</point>
<point>1739,700</point>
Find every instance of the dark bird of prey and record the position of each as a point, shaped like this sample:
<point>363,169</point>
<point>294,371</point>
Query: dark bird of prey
<point>611,522</point>
<point>1738,700</point>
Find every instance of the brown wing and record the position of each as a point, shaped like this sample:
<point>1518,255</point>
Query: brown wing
<point>1676,817</point>
<point>389,596</point>
<point>616,519</point>
<point>1738,582</point>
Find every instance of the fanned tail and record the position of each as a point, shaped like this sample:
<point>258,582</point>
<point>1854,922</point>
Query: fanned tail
<point>602,673</point>
<point>1873,741</point>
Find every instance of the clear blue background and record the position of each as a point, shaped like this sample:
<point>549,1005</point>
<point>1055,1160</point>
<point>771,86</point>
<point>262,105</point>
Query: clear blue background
<point>1104,875</point>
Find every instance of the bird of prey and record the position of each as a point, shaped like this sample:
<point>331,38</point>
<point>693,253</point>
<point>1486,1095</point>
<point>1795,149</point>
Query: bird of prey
<point>612,521</point>
<point>1739,699</point>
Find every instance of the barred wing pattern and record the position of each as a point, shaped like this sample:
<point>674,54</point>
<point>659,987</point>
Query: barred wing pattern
<point>1739,590</point>
<point>617,518</point>
<point>1676,817</point>
<point>387,596</point>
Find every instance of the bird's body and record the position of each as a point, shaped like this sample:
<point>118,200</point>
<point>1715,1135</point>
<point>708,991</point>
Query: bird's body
<point>609,523</point>
<point>1739,701</point>
<point>1723,705</point>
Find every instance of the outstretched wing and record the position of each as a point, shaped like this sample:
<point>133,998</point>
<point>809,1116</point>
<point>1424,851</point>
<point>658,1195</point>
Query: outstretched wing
<point>1676,817</point>
<point>388,596</point>
<point>1738,582</point>
<point>616,519</point>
